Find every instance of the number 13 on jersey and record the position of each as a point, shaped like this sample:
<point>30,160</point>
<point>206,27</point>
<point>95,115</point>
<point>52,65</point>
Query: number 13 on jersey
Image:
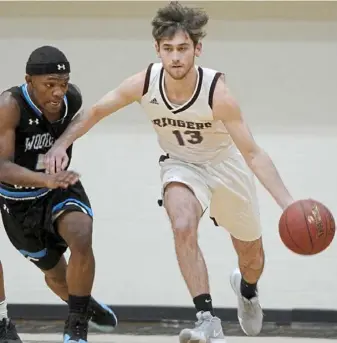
<point>192,137</point>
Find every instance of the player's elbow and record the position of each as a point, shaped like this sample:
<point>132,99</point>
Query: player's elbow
<point>101,110</point>
<point>253,156</point>
<point>96,111</point>
<point>95,114</point>
<point>3,170</point>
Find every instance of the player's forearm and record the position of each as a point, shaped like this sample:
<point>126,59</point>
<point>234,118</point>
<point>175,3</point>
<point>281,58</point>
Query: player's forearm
<point>16,175</point>
<point>78,127</point>
<point>266,172</point>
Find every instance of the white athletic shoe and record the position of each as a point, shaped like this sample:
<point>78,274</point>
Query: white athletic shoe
<point>207,329</point>
<point>250,313</point>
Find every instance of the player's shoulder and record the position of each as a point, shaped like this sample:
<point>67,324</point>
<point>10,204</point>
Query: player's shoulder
<point>212,73</point>
<point>213,81</point>
<point>9,97</point>
<point>223,101</point>
<point>151,73</point>
<point>74,97</point>
<point>154,67</point>
<point>11,93</point>
<point>9,108</point>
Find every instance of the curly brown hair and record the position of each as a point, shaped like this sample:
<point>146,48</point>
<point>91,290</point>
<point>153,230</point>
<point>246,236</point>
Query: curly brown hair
<point>175,17</point>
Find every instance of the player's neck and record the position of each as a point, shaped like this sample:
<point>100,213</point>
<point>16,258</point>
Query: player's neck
<point>181,89</point>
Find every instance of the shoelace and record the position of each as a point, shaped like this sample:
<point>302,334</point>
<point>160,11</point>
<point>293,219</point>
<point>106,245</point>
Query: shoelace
<point>79,327</point>
<point>202,322</point>
<point>249,306</point>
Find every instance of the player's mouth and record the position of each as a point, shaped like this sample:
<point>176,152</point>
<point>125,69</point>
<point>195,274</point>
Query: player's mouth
<point>55,104</point>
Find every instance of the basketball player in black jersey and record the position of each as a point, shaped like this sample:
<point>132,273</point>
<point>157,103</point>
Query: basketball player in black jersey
<point>45,214</point>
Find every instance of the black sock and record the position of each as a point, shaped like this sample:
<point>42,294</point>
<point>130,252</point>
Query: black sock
<point>92,301</point>
<point>203,302</point>
<point>248,290</point>
<point>78,304</point>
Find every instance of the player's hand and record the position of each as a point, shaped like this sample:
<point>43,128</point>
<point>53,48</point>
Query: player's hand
<point>56,159</point>
<point>63,179</point>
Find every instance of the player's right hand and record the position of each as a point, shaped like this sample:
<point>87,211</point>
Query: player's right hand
<point>56,159</point>
<point>63,179</point>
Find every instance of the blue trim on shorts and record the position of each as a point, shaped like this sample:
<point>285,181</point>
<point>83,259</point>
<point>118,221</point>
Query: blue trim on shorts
<point>59,206</point>
<point>23,194</point>
<point>38,254</point>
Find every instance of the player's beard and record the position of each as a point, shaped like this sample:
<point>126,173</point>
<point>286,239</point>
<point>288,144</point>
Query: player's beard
<point>182,73</point>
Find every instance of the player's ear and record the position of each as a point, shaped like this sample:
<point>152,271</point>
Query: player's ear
<point>198,49</point>
<point>156,46</point>
<point>28,78</point>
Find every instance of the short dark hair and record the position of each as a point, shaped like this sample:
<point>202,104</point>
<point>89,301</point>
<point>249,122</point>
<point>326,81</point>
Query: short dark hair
<point>175,17</point>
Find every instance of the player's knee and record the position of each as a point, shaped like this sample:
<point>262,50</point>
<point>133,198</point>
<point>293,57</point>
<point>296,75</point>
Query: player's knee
<point>184,229</point>
<point>81,241</point>
<point>79,235</point>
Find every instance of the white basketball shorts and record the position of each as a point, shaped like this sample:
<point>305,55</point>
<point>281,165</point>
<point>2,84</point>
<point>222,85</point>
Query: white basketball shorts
<point>226,187</point>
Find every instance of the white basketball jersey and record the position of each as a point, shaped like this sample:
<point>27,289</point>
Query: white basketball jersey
<point>187,132</point>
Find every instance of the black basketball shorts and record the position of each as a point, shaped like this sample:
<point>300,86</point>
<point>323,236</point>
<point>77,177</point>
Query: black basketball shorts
<point>30,224</point>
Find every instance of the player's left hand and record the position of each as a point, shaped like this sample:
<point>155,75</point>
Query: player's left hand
<point>56,159</point>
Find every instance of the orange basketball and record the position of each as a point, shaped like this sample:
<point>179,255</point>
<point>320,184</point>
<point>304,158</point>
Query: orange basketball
<point>307,227</point>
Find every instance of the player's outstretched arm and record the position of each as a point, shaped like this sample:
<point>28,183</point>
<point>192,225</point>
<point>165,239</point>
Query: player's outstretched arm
<point>11,172</point>
<point>129,91</point>
<point>225,108</point>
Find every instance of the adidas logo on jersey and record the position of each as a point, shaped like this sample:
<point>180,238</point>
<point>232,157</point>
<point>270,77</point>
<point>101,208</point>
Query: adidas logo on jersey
<point>154,101</point>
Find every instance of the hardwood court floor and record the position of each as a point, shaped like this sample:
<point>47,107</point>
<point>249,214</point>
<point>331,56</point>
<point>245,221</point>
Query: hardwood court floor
<point>97,338</point>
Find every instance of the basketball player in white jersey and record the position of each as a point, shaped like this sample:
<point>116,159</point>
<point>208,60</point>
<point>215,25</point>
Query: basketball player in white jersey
<point>211,160</point>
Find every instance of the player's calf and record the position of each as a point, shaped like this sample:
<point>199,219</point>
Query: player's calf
<point>101,316</point>
<point>251,264</point>
<point>76,229</point>
<point>244,283</point>
<point>56,279</point>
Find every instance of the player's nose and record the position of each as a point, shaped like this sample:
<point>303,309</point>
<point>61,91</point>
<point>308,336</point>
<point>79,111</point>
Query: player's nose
<point>175,57</point>
<point>58,93</point>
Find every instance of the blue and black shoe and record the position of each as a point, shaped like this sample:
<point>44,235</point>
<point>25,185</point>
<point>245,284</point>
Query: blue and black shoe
<point>76,329</point>
<point>102,317</point>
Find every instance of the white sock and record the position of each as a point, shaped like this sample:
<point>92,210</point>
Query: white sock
<point>3,310</point>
